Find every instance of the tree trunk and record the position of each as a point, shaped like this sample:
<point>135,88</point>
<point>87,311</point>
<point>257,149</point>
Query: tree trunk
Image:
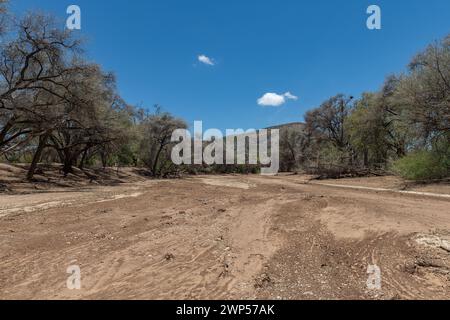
<point>83,159</point>
<point>68,162</point>
<point>400,152</point>
<point>37,156</point>
<point>104,159</point>
<point>67,167</point>
<point>366,158</point>
<point>155,164</point>
<point>4,131</point>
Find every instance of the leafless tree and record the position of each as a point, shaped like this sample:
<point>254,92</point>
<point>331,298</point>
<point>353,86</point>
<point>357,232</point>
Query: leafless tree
<point>157,131</point>
<point>32,71</point>
<point>328,120</point>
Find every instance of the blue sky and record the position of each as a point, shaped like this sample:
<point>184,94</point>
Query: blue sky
<point>312,49</point>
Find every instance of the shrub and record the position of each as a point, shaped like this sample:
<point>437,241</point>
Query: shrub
<point>423,165</point>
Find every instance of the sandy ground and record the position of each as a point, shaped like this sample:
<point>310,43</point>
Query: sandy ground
<point>226,237</point>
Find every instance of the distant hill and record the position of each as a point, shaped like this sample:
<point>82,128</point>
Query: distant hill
<point>294,126</point>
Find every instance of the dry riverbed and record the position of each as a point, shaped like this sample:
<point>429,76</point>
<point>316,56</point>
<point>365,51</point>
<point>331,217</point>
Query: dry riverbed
<point>226,237</point>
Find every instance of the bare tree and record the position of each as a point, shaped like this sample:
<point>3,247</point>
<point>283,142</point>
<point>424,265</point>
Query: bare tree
<point>32,71</point>
<point>91,120</point>
<point>327,121</point>
<point>157,131</point>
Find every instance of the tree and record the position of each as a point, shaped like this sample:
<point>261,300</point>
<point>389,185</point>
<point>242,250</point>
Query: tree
<point>375,129</point>
<point>327,121</point>
<point>293,144</point>
<point>155,148</point>
<point>31,78</point>
<point>91,118</point>
<point>328,137</point>
<point>424,93</point>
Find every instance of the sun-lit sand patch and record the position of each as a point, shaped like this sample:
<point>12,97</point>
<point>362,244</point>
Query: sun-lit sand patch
<point>121,196</point>
<point>222,182</point>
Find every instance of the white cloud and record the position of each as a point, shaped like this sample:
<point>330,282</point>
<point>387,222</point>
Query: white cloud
<point>272,100</point>
<point>290,96</point>
<point>275,100</point>
<point>206,60</point>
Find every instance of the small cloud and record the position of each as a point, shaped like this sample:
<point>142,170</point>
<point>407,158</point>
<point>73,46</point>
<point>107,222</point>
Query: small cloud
<point>290,96</point>
<point>206,60</point>
<point>271,100</point>
<point>275,100</point>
